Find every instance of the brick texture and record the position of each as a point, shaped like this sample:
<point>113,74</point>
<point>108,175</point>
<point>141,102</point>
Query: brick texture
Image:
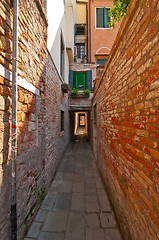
<point>127,141</point>
<point>40,141</point>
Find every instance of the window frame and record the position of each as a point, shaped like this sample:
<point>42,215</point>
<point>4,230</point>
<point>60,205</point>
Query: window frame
<point>101,60</point>
<point>78,45</point>
<point>96,19</point>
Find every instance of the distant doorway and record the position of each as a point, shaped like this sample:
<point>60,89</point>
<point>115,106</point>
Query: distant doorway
<point>81,125</point>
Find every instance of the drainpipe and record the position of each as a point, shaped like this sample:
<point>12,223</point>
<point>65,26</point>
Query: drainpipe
<point>13,213</point>
<point>87,29</point>
<point>90,30</point>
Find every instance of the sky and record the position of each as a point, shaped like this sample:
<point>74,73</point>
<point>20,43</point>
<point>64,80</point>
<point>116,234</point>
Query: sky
<point>55,11</point>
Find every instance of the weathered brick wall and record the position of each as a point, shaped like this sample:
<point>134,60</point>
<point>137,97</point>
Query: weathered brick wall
<point>36,113</point>
<point>127,103</point>
<point>55,101</point>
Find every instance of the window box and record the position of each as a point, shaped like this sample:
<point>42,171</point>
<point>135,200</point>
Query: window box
<point>86,93</point>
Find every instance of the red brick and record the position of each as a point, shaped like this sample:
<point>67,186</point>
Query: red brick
<point>149,142</point>
<point>154,119</point>
<point>154,153</point>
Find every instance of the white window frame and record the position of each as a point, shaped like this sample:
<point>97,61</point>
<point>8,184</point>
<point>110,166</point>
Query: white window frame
<point>96,18</point>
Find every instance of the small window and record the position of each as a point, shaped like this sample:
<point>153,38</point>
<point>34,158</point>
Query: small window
<point>80,50</point>
<point>101,61</point>
<point>95,114</point>
<point>102,17</point>
<point>62,121</point>
<point>80,29</point>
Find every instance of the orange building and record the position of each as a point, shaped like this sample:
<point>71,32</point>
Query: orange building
<point>100,36</point>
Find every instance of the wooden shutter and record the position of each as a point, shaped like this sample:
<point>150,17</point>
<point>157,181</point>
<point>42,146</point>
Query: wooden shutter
<point>89,79</point>
<point>71,78</point>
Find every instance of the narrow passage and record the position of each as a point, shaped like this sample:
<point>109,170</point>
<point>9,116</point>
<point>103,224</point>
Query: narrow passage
<point>76,206</point>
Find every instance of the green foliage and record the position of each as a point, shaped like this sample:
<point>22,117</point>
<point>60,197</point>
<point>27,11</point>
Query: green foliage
<point>74,92</point>
<point>118,11</point>
<point>86,92</point>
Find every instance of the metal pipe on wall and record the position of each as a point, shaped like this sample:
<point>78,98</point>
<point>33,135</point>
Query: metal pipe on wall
<point>90,31</point>
<point>13,213</point>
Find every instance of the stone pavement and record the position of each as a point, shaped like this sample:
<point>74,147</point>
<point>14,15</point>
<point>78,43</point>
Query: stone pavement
<point>76,206</point>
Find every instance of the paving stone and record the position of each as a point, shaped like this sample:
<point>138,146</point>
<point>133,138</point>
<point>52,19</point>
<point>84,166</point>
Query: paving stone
<point>29,238</point>
<point>112,234</point>
<point>55,222</point>
<point>99,183</point>
<point>34,230</point>
<point>78,178</point>
<point>68,176</point>
<point>66,187</point>
<point>80,164</point>
<point>103,201</point>
<point>107,220</point>
<point>41,215</point>
<point>56,184</point>
<point>76,226</point>
<point>48,202</point>
<point>95,234</point>
<point>90,190</point>
<point>79,170</point>
<point>63,201</point>
<point>92,220</point>
<point>77,203</point>
<point>51,236</point>
<point>92,207</point>
<point>89,180</point>
<point>78,187</point>
<point>59,175</point>
<point>91,198</point>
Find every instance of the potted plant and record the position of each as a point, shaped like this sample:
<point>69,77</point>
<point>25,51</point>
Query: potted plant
<point>64,87</point>
<point>74,93</point>
<point>86,93</point>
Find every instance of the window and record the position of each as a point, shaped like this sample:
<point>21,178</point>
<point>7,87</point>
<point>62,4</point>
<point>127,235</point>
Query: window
<point>101,61</point>
<point>62,59</point>
<point>95,114</point>
<point>80,29</point>
<point>80,80</point>
<point>62,121</point>
<point>80,50</point>
<point>102,17</point>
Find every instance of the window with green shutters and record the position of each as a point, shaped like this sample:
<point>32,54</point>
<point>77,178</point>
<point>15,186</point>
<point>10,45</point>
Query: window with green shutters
<point>102,17</point>
<point>80,80</point>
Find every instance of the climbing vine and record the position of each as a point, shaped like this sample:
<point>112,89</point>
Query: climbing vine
<point>118,11</point>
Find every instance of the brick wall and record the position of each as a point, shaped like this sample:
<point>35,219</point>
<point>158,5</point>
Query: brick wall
<point>126,143</point>
<point>55,101</point>
<point>38,114</point>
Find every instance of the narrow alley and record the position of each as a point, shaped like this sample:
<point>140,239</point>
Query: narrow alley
<point>76,206</point>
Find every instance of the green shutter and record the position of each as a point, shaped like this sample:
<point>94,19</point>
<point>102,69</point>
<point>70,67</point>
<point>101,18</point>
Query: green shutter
<point>89,79</point>
<point>71,75</point>
<point>80,80</point>
<point>99,17</point>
